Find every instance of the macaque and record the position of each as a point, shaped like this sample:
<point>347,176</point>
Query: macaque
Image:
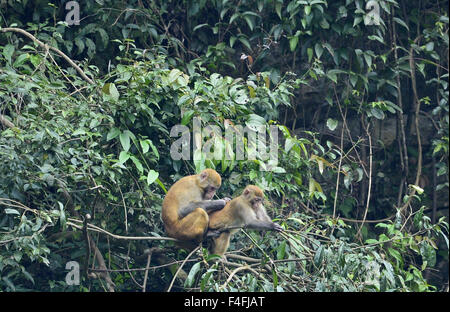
<point>245,211</point>
<point>187,204</point>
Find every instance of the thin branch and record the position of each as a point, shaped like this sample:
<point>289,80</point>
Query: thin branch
<point>369,189</point>
<point>339,166</point>
<point>181,266</point>
<point>149,258</point>
<point>244,267</point>
<point>412,66</point>
<point>95,228</point>
<point>47,47</point>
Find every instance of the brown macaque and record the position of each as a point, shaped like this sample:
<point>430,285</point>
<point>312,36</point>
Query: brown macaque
<point>245,211</point>
<point>187,204</point>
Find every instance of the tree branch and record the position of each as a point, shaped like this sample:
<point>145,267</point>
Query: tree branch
<point>47,48</point>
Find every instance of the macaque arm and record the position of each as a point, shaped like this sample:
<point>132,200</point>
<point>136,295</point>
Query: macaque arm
<point>260,221</point>
<point>207,205</point>
<point>262,225</point>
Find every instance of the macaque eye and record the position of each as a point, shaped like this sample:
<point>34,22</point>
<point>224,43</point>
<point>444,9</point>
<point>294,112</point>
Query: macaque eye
<point>210,190</point>
<point>256,201</point>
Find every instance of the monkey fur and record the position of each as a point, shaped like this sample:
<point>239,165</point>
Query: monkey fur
<point>245,211</point>
<point>187,204</point>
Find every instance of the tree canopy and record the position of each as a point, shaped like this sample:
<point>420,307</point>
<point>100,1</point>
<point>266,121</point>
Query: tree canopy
<point>357,92</point>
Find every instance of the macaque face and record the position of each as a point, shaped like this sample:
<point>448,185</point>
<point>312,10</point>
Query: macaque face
<point>256,203</point>
<point>210,191</point>
<point>209,183</point>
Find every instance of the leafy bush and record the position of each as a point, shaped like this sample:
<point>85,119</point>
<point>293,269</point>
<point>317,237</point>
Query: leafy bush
<point>361,113</point>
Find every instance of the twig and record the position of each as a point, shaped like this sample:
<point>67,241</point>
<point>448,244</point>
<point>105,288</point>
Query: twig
<point>416,123</point>
<point>181,266</point>
<point>47,47</point>
<point>149,257</point>
<point>94,228</point>
<point>101,263</point>
<point>339,166</point>
<point>348,132</point>
<point>244,267</point>
<point>369,189</point>
<point>124,210</point>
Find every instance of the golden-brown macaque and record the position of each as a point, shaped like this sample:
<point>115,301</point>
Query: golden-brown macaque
<point>187,203</point>
<point>245,211</point>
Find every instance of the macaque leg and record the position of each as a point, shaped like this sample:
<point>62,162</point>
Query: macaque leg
<point>221,243</point>
<point>193,226</point>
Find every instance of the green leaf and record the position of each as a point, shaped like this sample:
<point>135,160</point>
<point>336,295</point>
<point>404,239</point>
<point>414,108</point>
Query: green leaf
<point>199,26</point>
<point>174,74</point>
<point>429,46</point>
<point>145,146</point>
<point>332,76</point>
<point>309,51</point>
<point>377,38</point>
<point>125,140</point>
<point>281,250</point>
<point>332,124</point>
<point>21,59</point>
<point>396,255</point>
<point>401,22</point>
<point>318,257</point>
<point>245,42</point>
<point>250,22</point>
<point>104,37</point>
<point>293,43</point>
<point>418,189</point>
<point>152,176</point>
<point>138,164</point>
<point>368,59</point>
<point>8,51</point>
<point>312,187</point>
<point>377,113</point>
<point>319,50</point>
<point>324,24</point>
<point>124,156</point>
<point>112,134</point>
<point>260,5</point>
<point>278,6</point>
<point>80,44</point>
<point>307,9</point>
<point>111,91</point>
<point>187,116</point>
<point>11,211</point>
<point>154,149</point>
<point>62,216</point>
<point>191,276</point>
<point>233,17</point>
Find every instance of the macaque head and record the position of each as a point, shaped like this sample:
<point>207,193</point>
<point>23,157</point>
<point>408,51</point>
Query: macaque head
<point>209,182</point>
<point>254,195</point>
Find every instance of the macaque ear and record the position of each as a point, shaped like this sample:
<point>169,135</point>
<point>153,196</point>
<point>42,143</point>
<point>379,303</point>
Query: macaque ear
<point>203,176</point>
<point>246,192</point>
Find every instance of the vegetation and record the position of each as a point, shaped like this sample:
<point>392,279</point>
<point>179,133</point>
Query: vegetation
<point>359,95</point>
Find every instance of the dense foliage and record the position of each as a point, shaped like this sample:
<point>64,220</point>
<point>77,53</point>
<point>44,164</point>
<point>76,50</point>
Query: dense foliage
<point>359,96</point>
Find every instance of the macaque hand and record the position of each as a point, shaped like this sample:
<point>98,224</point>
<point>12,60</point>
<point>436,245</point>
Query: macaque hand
<point>226,199</point>
<point>277,227</point>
